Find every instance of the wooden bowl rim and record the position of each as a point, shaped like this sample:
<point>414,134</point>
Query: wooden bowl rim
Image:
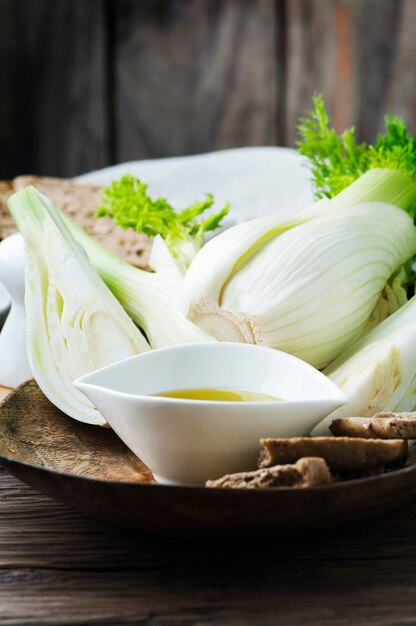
<point>335,486</point>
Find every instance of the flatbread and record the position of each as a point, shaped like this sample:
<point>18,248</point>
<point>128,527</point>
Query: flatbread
<point>80,201</point>
<point>307,472</point>
<point>343,454</point>
<point>381,425</point>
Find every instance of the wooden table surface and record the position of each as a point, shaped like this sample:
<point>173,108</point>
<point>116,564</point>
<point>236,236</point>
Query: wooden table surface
<point>59,567</point>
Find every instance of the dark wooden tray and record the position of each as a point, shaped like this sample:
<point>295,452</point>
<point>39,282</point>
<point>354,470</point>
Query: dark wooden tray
<point>90,469</point>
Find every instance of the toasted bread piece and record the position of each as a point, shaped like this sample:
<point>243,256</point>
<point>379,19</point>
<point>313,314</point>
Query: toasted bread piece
<point>80,201</point>
<point>353,427</point>
<point>395,425</point>
<point>382,426</point>
<point>307,472</point>
<point>342,454</point>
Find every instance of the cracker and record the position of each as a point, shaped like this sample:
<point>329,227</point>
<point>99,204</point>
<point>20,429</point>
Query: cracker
<point>307,472</point>
<point>342,454</point>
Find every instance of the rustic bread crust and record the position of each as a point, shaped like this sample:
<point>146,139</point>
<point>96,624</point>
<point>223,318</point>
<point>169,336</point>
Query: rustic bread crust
<point>381,425</point>
<point>353,427</point>
<point>80,201</point>
<point>400,425</point>
<point>342,454</point>
<point>307,472</point>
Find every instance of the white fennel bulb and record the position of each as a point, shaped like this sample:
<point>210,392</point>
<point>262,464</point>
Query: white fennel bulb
<point>74,324</point>
<point>153,300</point>
<point>307,287</point>
<point>393,296</point>
<point>378,372</point>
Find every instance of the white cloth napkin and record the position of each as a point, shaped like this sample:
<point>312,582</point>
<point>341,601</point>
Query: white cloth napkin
<point>256,181</point>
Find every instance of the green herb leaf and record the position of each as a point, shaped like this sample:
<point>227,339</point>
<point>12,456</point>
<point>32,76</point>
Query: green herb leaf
<point>126,200</point>
<point>337,160</point>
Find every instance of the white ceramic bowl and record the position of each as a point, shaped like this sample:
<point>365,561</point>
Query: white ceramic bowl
<point>190,441</point>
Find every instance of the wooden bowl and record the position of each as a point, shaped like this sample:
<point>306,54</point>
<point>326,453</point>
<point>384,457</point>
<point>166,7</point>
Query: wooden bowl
<point>90,469</point>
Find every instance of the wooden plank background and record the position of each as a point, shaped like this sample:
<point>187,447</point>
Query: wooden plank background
<point>86,84</point>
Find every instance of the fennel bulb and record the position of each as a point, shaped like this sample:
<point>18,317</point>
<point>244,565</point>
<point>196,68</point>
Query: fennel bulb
<point>378,372</point>
<point>393,296</point>
<point>74,324</point>
<point>307,287</point>
<point>153,300</point>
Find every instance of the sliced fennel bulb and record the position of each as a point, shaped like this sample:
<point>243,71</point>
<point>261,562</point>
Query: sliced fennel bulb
<point>153,300</point>
<point>74,323</point>
<point>393,296</point>
<point>378,372</point>
<point>306,287</point>
<point>161,259</point>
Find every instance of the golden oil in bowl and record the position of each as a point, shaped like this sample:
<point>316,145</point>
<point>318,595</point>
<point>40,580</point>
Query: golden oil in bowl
<point>216,394</point>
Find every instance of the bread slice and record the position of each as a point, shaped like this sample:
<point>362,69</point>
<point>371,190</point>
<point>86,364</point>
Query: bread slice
<point>80,201</point>
<point>307,472</point>
<point>353,427</point>
<point>342,454</point>
<point>397,425</point>
<point>382,425</point>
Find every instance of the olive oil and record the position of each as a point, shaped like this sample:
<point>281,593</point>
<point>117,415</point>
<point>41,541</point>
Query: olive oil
<point>218,395</point>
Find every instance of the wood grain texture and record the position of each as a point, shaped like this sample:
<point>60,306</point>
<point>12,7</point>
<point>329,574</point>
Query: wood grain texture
<point>53,109</point>
<point>59,456</point>
<point>85,84</point>
<point>401,90</point>
<point>194,76</point>
<point>59,567</point>
<point>377,27</point>
<point>359,53</point>
<point>54,439</point>
<point>311,62</point>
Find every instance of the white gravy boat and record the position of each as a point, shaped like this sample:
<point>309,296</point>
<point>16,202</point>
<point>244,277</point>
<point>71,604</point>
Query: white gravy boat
<point>190,441</point>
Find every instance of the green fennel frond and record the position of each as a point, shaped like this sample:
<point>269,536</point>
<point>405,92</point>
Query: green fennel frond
<point>337,160</point>
<point>127,201</point>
